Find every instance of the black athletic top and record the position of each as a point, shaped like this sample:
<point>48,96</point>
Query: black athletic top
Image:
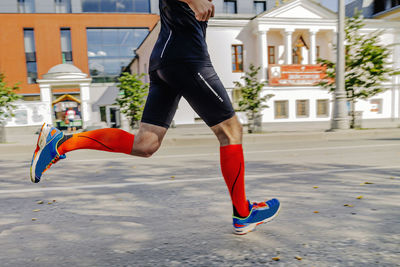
<point>182,36</point>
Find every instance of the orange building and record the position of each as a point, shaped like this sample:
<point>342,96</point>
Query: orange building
<point>94,46</point>
<point>47,37</point>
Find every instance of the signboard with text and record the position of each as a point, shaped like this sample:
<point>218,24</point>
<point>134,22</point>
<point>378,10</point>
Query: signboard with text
<point>295,75</point>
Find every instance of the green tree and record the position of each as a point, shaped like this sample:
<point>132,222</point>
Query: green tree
<point>250,100</point>
<point>367,64</point>
<point>133,92</point>
<point>7,97</point>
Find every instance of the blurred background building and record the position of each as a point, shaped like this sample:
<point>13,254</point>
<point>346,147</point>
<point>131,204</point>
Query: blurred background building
<point>68,53</point>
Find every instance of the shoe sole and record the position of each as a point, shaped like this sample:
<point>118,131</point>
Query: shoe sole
<point>253,226</point>
<point>41,143</point>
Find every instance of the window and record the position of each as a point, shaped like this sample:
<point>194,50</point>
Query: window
<point>230,7</point>
<point>119,6</point>
<point>66,47</point>
<point>259,7</point>
<point>395,3</point>
<point>111,49</point>
<point>281,109</point>
<point>103,115</point>
<point>376,106</point>
<point>237,58</point>
<point>302,108</point>
<point>63,6</point>
<point>26,6</point>
<point>379,6</point>
<point>322,108</point>
<point>31,97</point>
<point>271,55</point>
<point>30,55</point>
<point>318,51</point>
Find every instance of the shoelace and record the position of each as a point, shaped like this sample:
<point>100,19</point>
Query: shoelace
<point>259,205</point>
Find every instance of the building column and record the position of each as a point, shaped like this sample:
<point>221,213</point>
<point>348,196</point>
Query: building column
<point>262,53</point>
<point>288,47</point>
<point>85,107</point>
<point>396,78</point>
<point>332,53</point>
<point>313,47</point>
<point>46,99</point>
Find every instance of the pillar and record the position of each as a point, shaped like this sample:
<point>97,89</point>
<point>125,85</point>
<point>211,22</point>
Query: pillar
<point>46,99</point>
<point>85,107</point>
<point>262,53</point>
<point>313,47</point>
<point>288,47</point>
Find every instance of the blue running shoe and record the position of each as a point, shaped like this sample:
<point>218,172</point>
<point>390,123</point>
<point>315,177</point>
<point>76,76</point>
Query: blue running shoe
<point>46,151</point>
<point>259,213</point>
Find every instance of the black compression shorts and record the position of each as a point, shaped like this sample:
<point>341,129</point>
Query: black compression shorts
<point>198,83</point>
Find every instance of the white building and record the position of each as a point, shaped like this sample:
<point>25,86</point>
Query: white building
<point>285,41</point>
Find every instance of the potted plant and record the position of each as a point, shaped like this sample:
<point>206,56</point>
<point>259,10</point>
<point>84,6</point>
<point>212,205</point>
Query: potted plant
<point>132,97</point>
<point>7,97</point>
<point>251,102</point>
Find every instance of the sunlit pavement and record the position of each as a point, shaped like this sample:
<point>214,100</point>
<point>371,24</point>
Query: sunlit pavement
<point>340,207</point>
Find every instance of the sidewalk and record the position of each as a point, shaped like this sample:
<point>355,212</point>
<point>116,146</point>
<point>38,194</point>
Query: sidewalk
<point>200,134</point>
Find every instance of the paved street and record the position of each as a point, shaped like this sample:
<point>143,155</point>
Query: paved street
<point>340,206</point>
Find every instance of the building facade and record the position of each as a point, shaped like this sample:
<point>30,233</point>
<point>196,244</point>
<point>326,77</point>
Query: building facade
<point>99,38</point>
<point>285,42</point>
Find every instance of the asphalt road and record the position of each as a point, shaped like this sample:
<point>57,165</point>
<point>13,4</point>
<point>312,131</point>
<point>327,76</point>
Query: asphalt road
<point>340,207</point>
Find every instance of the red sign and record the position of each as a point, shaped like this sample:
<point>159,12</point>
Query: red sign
<point>295,75</point>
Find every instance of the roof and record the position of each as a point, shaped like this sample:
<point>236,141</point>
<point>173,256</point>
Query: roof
<point>65,71</point>
<point>108,98</point>
<point>66,97</point>
<point>64,68</point>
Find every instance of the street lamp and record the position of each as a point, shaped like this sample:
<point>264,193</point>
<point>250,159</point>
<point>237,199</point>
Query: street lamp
<point>340,120</point>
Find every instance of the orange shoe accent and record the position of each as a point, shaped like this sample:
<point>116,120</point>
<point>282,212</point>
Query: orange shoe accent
<point>259,205</point>
<point>109,139</point>
<point>53,132</point>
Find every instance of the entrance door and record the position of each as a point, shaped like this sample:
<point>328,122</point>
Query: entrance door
<point>113,116</point>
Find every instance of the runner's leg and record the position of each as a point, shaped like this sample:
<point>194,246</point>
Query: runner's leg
<point>201,87</point>
<point>205,93</point>
<point>229,134</point>
<point>143,144</point>
<point>159,110</point>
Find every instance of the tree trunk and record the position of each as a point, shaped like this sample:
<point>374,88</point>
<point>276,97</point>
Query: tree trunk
<point>353,113</point>
<point>250,122</point>
<point>2,133</point>
<point>255,123</point>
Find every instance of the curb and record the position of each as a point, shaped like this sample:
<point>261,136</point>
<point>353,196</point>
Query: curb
<point>273,137</point>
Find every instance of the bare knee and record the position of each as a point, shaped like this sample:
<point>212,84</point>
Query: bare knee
<point>145,146</point>
<point>229,132</point>
<point>148,140</point>
<point>148,150</point>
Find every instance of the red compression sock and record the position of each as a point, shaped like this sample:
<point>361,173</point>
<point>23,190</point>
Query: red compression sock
<point>232,166</point>
<point>109,139</point>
